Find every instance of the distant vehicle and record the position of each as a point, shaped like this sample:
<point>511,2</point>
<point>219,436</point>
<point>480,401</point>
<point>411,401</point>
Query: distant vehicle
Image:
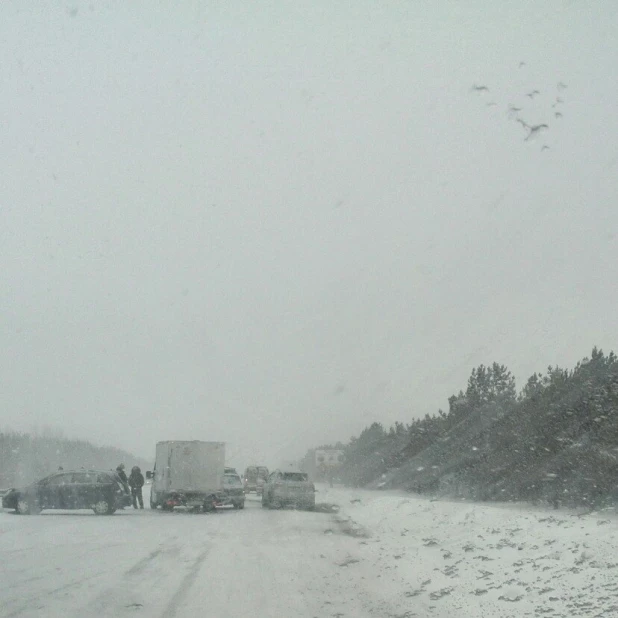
<point>254,478</point>
<point>232,472</point>
<point>261,479</point>
<point>188,473</point>
<point>99,490</point>
<point>288,488</point>
<point>233,492</point>
<point>250,479</point>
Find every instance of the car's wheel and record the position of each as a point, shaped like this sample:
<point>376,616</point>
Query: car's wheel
<point>241,505</point>
<point>102,507</point>
<point>23,506</point>
<point>27,506</point>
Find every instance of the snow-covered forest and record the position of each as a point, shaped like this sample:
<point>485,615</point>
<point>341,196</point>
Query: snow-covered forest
<point>28,457</point>
<point>555,441</point>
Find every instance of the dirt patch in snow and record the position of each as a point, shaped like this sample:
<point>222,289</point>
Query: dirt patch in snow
<point>349,527</point>
<point>326,507</point>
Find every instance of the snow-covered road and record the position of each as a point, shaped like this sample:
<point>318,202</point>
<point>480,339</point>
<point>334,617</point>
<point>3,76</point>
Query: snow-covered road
<point>383,555</point>
<point>253,562</point>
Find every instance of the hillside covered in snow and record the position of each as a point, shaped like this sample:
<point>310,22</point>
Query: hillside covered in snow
<point>555,441</point>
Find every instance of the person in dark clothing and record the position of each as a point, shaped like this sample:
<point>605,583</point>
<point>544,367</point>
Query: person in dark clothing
<point>136,482</point>
<point>121,473</point>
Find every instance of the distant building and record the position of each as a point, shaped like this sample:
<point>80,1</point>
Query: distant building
<point>328,458</point>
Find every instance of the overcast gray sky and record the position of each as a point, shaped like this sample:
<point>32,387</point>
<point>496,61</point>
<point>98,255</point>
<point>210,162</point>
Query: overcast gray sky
<point>272,223</point>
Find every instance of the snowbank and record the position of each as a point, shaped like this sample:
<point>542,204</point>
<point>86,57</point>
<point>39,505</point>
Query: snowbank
<point>463,559</point>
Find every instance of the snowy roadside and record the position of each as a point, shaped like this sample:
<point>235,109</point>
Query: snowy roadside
<point>466,559</point>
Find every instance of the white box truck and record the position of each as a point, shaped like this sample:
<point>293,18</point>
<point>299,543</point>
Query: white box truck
<point>188,473</point>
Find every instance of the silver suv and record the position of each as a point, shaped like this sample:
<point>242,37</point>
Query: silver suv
<point>289,488</point>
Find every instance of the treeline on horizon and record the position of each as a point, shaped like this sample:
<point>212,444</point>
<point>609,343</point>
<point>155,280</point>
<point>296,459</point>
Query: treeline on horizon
<point>28,457</point>
<point>555,441</point>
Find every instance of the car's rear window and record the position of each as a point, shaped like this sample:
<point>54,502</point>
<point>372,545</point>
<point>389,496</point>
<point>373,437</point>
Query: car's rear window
<point>294,476</point>
<point>231,481</point>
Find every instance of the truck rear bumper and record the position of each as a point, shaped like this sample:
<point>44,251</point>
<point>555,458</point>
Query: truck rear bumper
<point>190,500</point>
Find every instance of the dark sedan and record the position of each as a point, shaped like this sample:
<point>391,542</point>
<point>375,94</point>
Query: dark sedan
<point>99,490</point>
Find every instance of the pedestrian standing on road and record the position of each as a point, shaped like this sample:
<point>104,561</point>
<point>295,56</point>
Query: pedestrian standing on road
<point>121,473</point>
<point>136,482</point>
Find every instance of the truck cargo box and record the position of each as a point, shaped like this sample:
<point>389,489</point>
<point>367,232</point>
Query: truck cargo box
<point>191,470</point>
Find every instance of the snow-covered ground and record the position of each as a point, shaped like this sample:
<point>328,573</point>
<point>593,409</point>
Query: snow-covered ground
<point>464,559</point>
<point>382,555</point>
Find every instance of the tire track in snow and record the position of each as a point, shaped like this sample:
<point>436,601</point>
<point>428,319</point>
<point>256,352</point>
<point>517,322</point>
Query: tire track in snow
<point>130,592</point>
<point>35,600</point>
<point>185,585</point>
<point>138,567</point>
